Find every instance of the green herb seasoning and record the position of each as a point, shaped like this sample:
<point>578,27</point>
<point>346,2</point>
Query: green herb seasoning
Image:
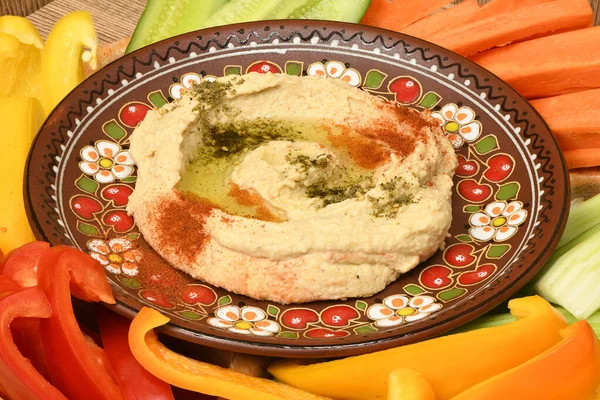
<point>397,194</point>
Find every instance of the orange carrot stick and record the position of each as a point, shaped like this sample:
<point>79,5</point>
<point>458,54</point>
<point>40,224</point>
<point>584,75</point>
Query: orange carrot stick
<point>496,7</point>
<point>515,25</point>
<point>398,14</point>
<point>582,158</point>
<point>553,65</point>
<point>443,19</point>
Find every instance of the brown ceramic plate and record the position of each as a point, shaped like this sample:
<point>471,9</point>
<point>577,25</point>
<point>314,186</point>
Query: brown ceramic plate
<point>510,198</point>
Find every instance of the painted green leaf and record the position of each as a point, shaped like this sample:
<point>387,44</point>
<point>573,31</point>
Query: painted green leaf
<point>487,144</point>
<point>464,238</point>
<point>131,283</point>
<point>288,335</point>
<point>374,79</point>
<point>233,70</point>
<point>361,305</point>
<point>413,289</point>
<point>366,329</point>
<point>430,100</point>
<point>133,236</point>
<point>223,301</point>
<point>86,184</point>
<point>129,179</point>
<point>497,250</point>
<point>508,191</point>
<point>472,208</point>
<point>190,315</point>
<point>114,130</point>
<point>157,99</point>
<point>88,229</point>
<point>451,294</point>
<point>272,310</point>
<point>294,68</point>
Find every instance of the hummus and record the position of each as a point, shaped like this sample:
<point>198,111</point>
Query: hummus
<point>291,189</point>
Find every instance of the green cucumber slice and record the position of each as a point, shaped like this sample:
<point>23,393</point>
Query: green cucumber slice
<point>162,19</point>
<point>334,10</point>
<point>236,11</point>
<point>288,7</point>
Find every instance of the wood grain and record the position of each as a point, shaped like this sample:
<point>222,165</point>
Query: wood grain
<point>21,7</point>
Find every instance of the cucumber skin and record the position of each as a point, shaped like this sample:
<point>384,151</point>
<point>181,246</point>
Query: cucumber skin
<point>329,10</point>
<point>236,11</point>
<point>171,17</point>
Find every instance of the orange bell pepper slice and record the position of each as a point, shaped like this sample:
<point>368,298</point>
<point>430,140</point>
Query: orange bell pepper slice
<point>18,378</point>
<point>406,384</point>
<point>198,376</point>
<point>569,370</point>
<point>78,367</point>
<point>472,357</point>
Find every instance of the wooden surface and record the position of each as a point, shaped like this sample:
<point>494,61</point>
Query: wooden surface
<point>115,19</point>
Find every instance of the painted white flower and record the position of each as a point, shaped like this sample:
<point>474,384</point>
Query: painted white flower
<point>246,320</point>
<point>399,308</point>
<point>117,255</point>
<point>106,161</point>
<point>188,81</point>
<point>335,70</point>
<point>459,124</point>
<point>498,221</point>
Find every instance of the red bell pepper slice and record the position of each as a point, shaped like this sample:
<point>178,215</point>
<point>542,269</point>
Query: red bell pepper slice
<point>19,379</point>
<point>135,382</point>
<point>77,367</point>
<point>21,264</point>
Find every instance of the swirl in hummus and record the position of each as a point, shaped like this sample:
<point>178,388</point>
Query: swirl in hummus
<point>291,189</point>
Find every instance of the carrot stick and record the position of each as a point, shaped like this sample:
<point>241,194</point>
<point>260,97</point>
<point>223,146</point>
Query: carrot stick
<point>549,66</point>
<point>574,118</point>
<point>496,7</point>
<point>398,14</point>
<point>582,158</point>
<point>516,24</point>
<point>452,16</point>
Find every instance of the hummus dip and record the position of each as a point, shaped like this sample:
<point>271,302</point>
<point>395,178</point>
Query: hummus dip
<point>291,189</point>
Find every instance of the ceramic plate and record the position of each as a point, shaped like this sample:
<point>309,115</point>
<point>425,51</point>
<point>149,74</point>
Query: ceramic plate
<point>509,199</point>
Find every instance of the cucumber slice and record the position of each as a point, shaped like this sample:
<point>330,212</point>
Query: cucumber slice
<point>334,10</point>
<point>166,18</point>
<point>288,7</point>
<point>236,11</point>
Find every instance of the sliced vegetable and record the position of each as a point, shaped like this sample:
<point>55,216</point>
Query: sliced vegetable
<point>498,349</point>
<point>135,382</point>
<point>453,16</point>
<point>245,10</point>
<point>163,19</point>
<point>496,7</point>
<point>573,118</point>
<point>334,10</point>
<point>21,263</point>
<point>18,377</point>
<point>564,63</point>
<point>71,42</point>
<point>515,24</point>
<point>583,216</point>
<point>572,281</point>
<point>197,376</point>
<point>582,158</point>
<point>21,117</point>
<point>398,14</point>
<point>406,384</point>
<point>77,367</point>
<point>569,370</point>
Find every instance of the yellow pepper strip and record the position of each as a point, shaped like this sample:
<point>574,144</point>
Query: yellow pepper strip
<point>71,42</point>
<point>21,117</point>
<point>197,376</point>
<point>569,370</point>
<point>450,364</point>
<point>406,384</point>
<point>20,58</point>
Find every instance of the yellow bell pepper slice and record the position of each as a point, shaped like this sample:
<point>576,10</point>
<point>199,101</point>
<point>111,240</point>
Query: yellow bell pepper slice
<point>569,370</point>
<point>406,384</point>
<point>71,42</point>
<point>20,58</point>
<point>198,376</point>
<point>21,118</point>
<point>450,364</point>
